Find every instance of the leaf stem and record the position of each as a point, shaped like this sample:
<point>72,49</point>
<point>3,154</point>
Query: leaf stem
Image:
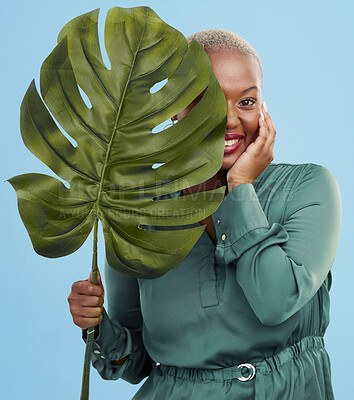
<point>90,331</point>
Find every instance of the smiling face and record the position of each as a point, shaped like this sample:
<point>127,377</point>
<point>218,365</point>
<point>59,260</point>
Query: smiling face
<point>240,78</point>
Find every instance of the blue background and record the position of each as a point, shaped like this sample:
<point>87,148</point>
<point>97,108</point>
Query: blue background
<point>306,48</point>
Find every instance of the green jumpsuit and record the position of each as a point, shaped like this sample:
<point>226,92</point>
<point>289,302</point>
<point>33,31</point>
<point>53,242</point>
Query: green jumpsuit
<point>241,320</point>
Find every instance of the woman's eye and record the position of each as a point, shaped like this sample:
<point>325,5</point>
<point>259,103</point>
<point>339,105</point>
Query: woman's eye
<point>247,102</point>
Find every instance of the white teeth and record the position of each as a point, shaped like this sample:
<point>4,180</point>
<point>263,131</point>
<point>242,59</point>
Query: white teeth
<point>231,142</point>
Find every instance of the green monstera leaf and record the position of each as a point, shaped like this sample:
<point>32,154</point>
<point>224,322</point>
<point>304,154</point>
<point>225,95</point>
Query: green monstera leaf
<point>106,151</point>
<point>110,169</point>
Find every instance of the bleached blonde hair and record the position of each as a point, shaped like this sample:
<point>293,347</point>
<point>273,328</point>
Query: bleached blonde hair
<point>214,39</point>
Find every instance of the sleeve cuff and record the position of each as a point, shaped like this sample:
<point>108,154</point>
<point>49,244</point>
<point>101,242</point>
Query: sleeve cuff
<point>112,342</point>
<point>238,221</point>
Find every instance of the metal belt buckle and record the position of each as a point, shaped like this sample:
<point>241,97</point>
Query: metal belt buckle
<point>252,372</point>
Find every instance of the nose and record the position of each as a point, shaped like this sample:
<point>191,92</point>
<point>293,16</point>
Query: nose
<point>233,120</point>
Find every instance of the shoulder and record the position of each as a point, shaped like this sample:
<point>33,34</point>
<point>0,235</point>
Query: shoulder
<point>309,184</point>
<point>295,174</point>
<point>293,168</point>
<point>315,174</point>
<point>298,184</point>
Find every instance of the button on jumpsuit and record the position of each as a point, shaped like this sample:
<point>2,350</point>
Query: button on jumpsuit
<point>243,319</point>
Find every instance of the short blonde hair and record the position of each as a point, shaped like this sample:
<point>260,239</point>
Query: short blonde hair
<point>213,39</point>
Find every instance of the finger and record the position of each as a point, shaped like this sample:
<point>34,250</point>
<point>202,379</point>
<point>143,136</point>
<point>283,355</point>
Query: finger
<point>268,146</point>
<point>270,125</point>
<point>260,140</point>
<point>87,288</point>
<point>262,135</point>
<point>269,121</point>
<point>85,300</point>
<point>92,301</point>
<point>85,323</point>
<point>90,312</point>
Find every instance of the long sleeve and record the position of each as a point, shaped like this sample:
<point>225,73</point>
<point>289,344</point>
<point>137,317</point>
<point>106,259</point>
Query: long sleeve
<point>280,267</point>
<point>120,332</point>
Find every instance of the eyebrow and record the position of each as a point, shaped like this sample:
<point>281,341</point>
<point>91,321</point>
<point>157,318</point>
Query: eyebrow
<point>250,88</point>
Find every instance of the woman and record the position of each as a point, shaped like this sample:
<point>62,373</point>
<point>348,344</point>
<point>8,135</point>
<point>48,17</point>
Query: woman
<point>244,314</point>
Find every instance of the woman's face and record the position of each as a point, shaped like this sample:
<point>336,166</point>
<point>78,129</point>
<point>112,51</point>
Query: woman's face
<point>240,78</point>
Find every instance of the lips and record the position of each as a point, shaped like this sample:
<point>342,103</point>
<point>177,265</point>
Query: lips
<point>229,136</point>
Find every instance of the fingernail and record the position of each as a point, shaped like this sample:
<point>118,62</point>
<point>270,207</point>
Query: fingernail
<point>262,115</point>
<point>265,106</point>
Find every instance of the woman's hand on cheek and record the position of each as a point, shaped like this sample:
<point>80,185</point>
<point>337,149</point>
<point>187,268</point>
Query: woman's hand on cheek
<point>257,156</point>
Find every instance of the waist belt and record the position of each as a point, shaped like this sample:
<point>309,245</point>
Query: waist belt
<point>247,371</point>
